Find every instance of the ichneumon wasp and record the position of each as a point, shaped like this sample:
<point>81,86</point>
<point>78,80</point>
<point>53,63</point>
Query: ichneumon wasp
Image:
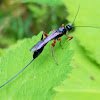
<point>55,35</point>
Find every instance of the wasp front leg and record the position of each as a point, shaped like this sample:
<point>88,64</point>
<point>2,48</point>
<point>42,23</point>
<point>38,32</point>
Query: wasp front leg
<point>70,37</point>
<point>52,45</point>
<point>44,35</point>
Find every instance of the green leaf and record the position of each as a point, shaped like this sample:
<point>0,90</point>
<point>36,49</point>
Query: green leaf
<point>88,15</point>
<point>83,82</point>
<point>2,52</point>
<point>39,79</point>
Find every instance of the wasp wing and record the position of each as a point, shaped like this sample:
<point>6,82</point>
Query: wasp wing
<point>41,43</point>
<point>37,46</point>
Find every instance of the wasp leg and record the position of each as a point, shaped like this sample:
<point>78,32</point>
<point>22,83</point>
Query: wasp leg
<point>44,35</point>
<point>70,37</point>
<point>52,45</point>
<point>59,39</point>
<point>63,25</point>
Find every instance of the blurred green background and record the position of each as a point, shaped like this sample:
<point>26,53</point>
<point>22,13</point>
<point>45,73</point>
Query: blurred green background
<point>20,19</point>
<point>26,18</point>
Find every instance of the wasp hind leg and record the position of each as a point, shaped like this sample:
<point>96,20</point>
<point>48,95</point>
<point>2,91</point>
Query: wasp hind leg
<point>52,45</point>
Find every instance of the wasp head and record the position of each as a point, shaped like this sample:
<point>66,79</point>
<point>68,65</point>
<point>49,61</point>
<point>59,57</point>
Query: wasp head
<point>68,27</point>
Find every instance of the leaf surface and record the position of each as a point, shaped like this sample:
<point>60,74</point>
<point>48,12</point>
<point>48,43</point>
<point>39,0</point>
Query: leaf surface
<point>83,82</point>
<point>39,79</point>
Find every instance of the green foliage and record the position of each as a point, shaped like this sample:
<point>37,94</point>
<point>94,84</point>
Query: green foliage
<point>49,2</point>
<point>88,38</point>
<point>2,52</point>
<point>84,80</point>
<point>39,79</point>
<point>19,20</point>
<point>44,20</point>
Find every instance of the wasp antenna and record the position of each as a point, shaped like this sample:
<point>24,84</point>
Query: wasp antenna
<point>17,73</point>
<point>87,26</point>
<point>76,15</point>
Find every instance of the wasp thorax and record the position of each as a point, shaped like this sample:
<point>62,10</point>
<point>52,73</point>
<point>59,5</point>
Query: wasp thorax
<point>64,31</point>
